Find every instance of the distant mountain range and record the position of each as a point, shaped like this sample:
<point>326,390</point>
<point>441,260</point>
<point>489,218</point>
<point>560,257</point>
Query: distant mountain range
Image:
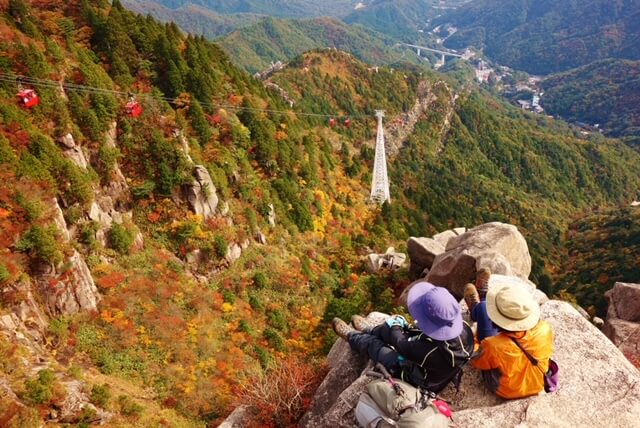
<point>398,18</point>
<point>547,36</point>
<point>212,18</point>
<point>280,8</point>
<point>543,37</point>
<point>611,97</point>
<point>193,18</point>
<point>256,46</point>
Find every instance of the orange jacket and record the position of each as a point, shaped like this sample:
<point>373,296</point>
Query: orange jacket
<point>509,373</point>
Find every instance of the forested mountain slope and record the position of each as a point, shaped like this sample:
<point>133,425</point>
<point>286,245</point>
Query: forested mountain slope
<point>603,247</point>
<point>473,159</point>
<point>256,46</point>
<point>174,316</point>
<point>605,92</point>
<point>281,8</point>
<point>193,18</point>
<point>398,18</point>
<point>203,287</point>
<point>547,36</point>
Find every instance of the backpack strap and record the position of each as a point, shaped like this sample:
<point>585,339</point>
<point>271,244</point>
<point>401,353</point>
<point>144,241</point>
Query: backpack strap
<point>534,360</point>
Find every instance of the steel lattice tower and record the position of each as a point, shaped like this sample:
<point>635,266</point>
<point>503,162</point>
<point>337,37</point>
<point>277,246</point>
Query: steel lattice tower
<point>380,181</point>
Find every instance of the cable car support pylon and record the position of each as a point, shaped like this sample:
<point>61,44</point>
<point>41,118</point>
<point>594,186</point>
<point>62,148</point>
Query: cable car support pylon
<point>380,180</point>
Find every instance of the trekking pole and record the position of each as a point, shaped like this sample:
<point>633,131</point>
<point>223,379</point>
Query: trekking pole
<point>396,386</point>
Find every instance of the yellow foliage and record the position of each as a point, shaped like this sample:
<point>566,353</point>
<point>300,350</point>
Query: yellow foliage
<point>227,307</point>
<point>238,338</point>
<point>192,329</point>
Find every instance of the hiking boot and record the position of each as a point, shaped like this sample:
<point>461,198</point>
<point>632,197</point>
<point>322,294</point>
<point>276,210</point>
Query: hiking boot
<point>361,324</point>
<point>471,296</point>
<point>482,281</point>
<point>342,329</point>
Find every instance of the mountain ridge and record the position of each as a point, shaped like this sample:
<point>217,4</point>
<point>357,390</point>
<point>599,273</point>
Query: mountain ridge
<point>222,227</point>
<point>271,40</point>
<point>545,37</point>
<point>610,99</point>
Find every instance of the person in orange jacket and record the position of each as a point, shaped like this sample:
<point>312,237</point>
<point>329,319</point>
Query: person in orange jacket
<point>507,371</point>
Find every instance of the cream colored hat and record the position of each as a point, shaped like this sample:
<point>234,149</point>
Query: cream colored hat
<point>512,308</point>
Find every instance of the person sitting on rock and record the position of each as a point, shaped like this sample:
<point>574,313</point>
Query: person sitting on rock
<point>428,356</point>
<point>507,371</point>
<point>475,297</point>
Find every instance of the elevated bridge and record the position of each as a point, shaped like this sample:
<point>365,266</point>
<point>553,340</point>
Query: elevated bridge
<point>438,51</point>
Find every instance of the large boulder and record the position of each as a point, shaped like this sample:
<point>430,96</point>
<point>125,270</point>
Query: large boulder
<point>625,335</point>
<point>443,238</point>
<point>624,301</point>
<point>422,252</point>
<point>498,246</point>
<point>391,260</point>
<point>623,318</point>
<point>234,251</point>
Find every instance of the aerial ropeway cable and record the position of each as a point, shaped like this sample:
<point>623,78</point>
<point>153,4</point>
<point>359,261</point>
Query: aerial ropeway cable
<point>133,108</point>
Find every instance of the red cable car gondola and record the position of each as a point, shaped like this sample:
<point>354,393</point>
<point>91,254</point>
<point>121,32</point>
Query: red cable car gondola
<point>332,122</point>
<point>347,122</point>
<point>28,98</point>
<point>133,108</point>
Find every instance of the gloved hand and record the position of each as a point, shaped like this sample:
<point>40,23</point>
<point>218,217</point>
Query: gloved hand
<point>397,320</point>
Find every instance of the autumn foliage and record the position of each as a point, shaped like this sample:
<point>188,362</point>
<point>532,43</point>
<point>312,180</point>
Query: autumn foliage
<point>282,393</point>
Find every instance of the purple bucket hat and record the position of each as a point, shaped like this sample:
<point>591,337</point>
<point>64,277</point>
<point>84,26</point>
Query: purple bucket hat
<point>436,311</point>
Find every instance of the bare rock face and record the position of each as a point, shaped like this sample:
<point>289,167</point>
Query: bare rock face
<point>101,211</point>
<point>75,401</point>
<point>25,321</point>
<point>498,246</point>
<point>624,301</point>
<point>70,290</point>
<point>234,251</point>
<point>443,238</point>
<point>201,194</point>
<point>72,151</point>
<point>272,216</point>
<point>138,243</point>
<point>422,253</point>
<point>58,219</point>
<point>623,318</point>
<point>260,238</point>
<point>184,144</point>
<point>625,335</point>
<point>238,418</point>
<point>389,260</point>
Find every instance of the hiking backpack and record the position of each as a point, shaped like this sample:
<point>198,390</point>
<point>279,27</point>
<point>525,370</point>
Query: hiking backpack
<point>389,402</point>
<point>414,373</point>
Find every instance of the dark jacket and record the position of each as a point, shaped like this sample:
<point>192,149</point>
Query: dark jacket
<point>428,363</point>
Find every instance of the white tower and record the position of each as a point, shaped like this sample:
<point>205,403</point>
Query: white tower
<point>380,180</point>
